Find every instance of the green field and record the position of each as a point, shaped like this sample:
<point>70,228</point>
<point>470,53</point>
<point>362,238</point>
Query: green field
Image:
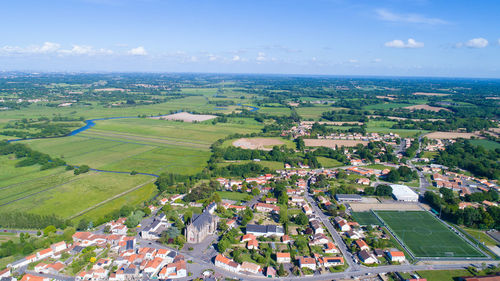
<point>365,218</point>
<point>426,236</point>
<point>443,275</point>
<point>313,112</point>
<point>491,145</point>
<point>273,165</point>
<point>233,195</point>
<point>328,162</point>
<point>143,145</point>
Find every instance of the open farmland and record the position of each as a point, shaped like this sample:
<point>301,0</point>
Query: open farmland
<point>333,143</point>
<point>450,135</point>
<point>186,117</point>
<point>426,107</point>
<point>426,236</point>
<point>257,143</point>
<point>142,145</point>
<point>56,191</point>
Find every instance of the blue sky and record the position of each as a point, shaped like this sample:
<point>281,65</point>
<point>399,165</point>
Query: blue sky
<point>338,37</point>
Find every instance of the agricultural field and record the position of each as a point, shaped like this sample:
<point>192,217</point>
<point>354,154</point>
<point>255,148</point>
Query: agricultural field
<point>273,165</point>
<point>142,145</point>
<point>313,112</point>
<point>491,145</point>
<point>426,236</point>
<point>56,191</point>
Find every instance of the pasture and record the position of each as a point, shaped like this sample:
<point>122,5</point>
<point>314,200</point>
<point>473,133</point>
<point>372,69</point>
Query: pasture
<point>142,145</point>
<point>426,236</point>
<point>56,191</point>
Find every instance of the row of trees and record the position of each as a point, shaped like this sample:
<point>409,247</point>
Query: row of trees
<point>29,157</point>
<point>476,159</point>
<point>447,205</point>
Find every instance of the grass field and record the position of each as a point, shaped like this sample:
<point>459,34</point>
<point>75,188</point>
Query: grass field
<point>143,145</point>
<point>273,165</point>
<point>365,218</point>
<point>231,195</point>
<point>66,194</point>
<point>491,145</point>
<point>328,162</point>
<point>313,112</point>
<point>443,275</point>
<point>426,236</point>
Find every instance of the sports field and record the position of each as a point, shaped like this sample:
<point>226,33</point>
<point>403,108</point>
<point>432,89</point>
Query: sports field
<point>426,236</point>
<point>365,218</point>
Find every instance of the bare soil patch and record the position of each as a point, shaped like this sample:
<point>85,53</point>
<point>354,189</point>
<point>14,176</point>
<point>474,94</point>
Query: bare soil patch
<point>430,94</point>
<point>361,207</point>
<point>385,97</point>
<point>257,143</point>
<point>426,107</point>
<point>332,123</point>
<point>451,135</point>
<point>186,117</point>
<point>333,143</point>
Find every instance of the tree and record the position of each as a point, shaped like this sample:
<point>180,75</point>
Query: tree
<point>393,176</point>
<point>383,190</point>
<point>370,190</point>
<point>172,232</point>
<point>49,229</point>
<point>283,215</point>
<point>281,270</point>
<point>83,224</point>
<point>301,219</point>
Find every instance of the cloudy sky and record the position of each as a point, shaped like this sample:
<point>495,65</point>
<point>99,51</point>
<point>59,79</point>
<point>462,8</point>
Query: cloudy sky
<point>457,38</point>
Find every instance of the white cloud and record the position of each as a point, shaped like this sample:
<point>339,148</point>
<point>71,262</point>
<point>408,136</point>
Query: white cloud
<point>498,41</point>
<point>353,61</point>
<point>475,43</point>
<point>387,15</point>
<point>236,58</point>
<point>377,60</point>
<point>46,48</point>
<point>410,43</point>
<point>261,57</point>
<point>139,51</point>
<point>85,50</point>
<point>212,57</point>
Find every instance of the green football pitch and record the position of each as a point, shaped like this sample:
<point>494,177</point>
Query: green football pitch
<point>426,236</point>
<point>365,218</point>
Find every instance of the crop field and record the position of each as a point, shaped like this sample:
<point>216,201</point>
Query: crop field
<point>365,218</point>
<point>426,236</point>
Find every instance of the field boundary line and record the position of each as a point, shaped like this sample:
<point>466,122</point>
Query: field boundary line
<point>110,199</point>
<point>38,192</point>
<point>395,236</point>
<point>23,182</point>
<point>459,234</point>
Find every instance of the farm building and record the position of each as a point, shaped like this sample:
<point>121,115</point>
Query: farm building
<point>403,193</point>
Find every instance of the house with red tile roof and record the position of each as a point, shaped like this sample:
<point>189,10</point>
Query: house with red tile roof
<point>283,258</point>
<point>227,264</point>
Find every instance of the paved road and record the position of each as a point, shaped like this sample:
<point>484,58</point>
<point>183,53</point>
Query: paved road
<point>336,236</point>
